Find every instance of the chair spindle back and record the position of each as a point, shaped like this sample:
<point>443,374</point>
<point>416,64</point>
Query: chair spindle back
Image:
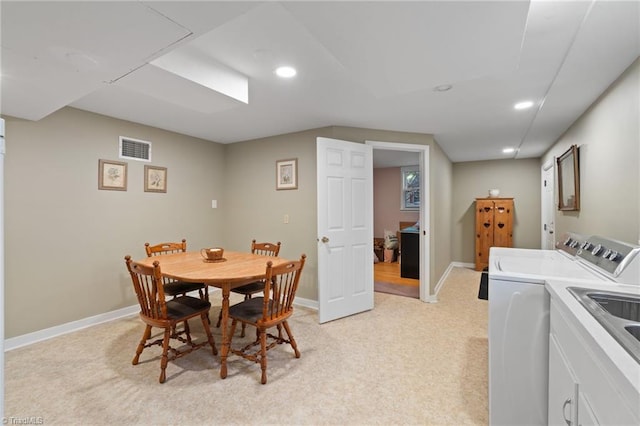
<point>284,280</point>
<point>265,249</point>
<point>147,285</point>
<point>165,248</point>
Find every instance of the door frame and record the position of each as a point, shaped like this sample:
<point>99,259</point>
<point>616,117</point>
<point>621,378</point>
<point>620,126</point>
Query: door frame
<point>425,224</point>
<point>547,204</point>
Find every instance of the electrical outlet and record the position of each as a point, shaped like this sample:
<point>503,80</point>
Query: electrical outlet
<point>286,218</point>
<point>214,204</point>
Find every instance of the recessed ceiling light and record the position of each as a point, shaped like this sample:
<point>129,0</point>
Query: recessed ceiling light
<point>443,88</point>
<point>286,72</point>
<point>508,150</point>
<point>523,105</point>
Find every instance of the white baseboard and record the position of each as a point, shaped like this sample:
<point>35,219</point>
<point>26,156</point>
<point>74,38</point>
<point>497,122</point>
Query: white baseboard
<point>59,330</point>
<point>307,303</point>
<point>446,273</point>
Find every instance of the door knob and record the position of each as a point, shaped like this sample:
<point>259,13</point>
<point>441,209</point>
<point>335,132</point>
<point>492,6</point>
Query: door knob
<point>325,240</point>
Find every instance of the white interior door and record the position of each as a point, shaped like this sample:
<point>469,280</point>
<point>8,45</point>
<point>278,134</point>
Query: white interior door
<point>548,207</point>
<point>345,228</point>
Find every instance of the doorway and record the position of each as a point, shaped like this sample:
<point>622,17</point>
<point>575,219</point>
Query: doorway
<point>345,225</point>
<point>397,155</point>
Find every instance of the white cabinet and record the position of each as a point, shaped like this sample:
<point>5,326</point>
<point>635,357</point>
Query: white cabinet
<point>587,416</point>
<point>563,387</point>
<point>585,387</point>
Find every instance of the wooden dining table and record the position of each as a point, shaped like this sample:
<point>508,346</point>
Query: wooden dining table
<point>233,270</point>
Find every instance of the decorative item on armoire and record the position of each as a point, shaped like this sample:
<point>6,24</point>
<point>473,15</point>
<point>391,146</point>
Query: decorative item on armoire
<point>494,227</point>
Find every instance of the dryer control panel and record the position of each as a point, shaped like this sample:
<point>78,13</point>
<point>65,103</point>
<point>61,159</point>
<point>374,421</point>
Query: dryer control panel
<point>607,255</point>
<point>570,243</point>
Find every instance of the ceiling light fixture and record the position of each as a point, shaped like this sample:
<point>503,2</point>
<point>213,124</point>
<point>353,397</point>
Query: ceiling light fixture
<point>286,72</point>
<point>443,88</point>
<point>523,105</point>
<point>508,150</point>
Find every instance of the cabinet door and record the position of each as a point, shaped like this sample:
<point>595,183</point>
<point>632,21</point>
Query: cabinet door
<point>503,223</point>
<point>484,232</point>
<point>586,416</point>
<point>563,388</point>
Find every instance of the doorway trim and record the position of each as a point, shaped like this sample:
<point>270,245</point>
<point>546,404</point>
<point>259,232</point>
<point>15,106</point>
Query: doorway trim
<point>547,206</point>
<point>425,237</point>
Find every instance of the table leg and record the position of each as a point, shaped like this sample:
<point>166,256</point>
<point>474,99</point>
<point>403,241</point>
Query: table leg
<point>223,325</point>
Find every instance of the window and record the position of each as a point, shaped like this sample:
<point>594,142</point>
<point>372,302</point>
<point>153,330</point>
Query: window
<point>410,188</point>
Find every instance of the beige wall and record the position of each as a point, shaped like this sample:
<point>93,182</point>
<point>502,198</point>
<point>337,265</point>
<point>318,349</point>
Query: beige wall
<point>300,234</point>
<point>255,209</point>
<point>441,202</point>
<point>608,137</point>
<point>66,240</point>
<point>387,189</point>
<point>519,179</point>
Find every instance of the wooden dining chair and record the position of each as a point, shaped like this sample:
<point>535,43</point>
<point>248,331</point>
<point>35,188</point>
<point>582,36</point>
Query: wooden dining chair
<point>155,311</point>
<point>272,310</point>
<point>248,290</point>
<point>173,287</point>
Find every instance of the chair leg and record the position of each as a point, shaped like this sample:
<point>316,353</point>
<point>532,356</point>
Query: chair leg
<point>234,324</point>
<point>263,355</point>
<point>244,326</point>
<point>207,329</point>
<point>165,358</point>
<point>292,341</point>
<point>187,331</point>
<point>204,295</point>
<point>219,319</point>
<point>143,341</point>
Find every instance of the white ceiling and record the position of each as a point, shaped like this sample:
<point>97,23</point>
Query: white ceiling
<point>360,64</point>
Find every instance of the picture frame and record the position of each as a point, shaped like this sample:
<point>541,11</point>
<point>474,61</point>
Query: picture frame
<point>287,174</point>
<point>569,180</point>
<point>155,179</point>
<point>112,175</point>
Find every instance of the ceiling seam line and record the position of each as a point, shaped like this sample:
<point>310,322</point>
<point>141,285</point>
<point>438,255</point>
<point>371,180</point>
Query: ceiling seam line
<point>555,76</point>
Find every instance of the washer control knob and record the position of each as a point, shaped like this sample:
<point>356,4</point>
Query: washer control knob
<point>586,245</point>
<point>606,253</point>
<point>597,250</point>
<point>614,256</point>
<point>568,242</point>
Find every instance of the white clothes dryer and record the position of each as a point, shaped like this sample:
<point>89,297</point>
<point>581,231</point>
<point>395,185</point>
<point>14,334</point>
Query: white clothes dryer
<point>519,317</point>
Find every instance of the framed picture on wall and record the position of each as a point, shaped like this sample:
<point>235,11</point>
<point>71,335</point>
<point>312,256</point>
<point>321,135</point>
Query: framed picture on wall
<point>155,179</point>
<point>569,180</point>
<point>287,174</point>
<point>112,175</point>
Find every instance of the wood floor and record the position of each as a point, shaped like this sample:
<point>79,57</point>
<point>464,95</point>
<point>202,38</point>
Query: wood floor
<point>390,273</point>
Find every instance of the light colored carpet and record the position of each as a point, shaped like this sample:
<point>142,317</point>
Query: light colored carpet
<point>404,362</point>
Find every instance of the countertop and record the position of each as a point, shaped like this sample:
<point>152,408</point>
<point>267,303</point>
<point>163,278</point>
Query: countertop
<point>591,329</point>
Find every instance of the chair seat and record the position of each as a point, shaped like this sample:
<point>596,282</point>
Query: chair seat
<point>252,288</point>
<point>250,310</point>
<point>185,306</point>
<point>179,287</point>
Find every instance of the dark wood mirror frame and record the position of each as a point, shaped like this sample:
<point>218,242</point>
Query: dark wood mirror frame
<point>569,180</point>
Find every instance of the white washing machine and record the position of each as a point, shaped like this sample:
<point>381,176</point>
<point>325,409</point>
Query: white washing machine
<point>519,316</point>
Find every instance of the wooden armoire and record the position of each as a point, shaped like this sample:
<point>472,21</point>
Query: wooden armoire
<point>494,227</point>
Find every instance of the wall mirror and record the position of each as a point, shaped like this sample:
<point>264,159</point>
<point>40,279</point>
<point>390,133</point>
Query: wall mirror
<point>569,180</point>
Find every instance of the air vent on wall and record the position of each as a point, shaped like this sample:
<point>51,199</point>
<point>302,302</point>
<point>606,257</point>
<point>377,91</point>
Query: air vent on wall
<point>134,149</point>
